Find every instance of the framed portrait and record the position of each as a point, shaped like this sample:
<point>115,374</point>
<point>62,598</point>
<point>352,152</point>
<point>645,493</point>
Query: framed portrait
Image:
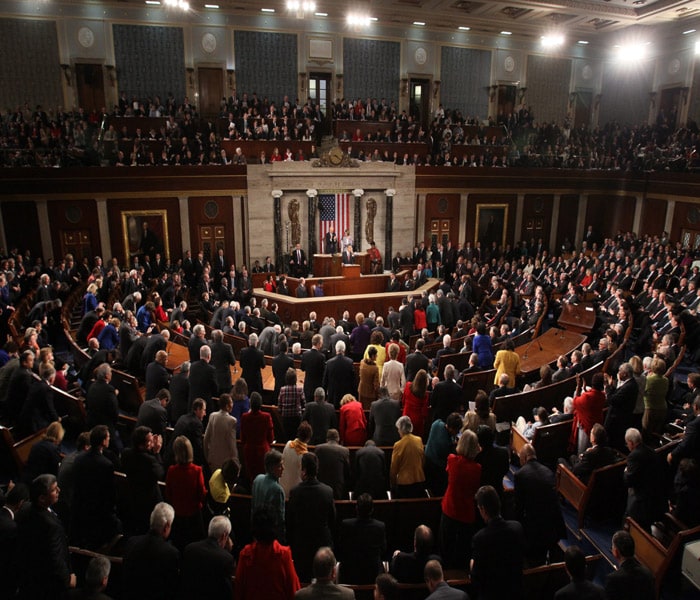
<point>491,224</point>
<point>145,232</point>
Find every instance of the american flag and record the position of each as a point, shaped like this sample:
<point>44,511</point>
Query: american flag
<point>335,210</point>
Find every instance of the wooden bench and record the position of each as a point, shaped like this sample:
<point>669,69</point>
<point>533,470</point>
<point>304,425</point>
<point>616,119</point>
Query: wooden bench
<point>80,559</point>
<point>15,453</point>
<point>130,392</point>
<point>603,498</point>
<point>660,559</point>
<point>460,361</point>
<point>473,382</point>
<point>550,442</point>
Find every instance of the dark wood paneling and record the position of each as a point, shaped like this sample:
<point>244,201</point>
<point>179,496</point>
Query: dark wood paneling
<point>474,199</point>
<point>21,226</point>
<point>653,216</point>
<point>537,206</point>
<point>72,215</point>
<point>198,216</point>
<point>442,206</point>
<point>566,225</point>
<point>686,215</point>
<point>610,214</point>
<point>171,205</point>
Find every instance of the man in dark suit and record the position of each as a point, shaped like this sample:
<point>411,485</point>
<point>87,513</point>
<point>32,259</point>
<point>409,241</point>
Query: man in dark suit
<point>537,507</point>
<point>632,580</point>
<point>370,471</point>
<point>153,412</point>
<point>280,363</point>
<point>334,464</point>
<point>10,505</point>
<point>621,402</point>
<point>417,361</point>
<point>252,363</point>
<point>203,379</point>
<point>310,516</point>
<point>151,563</point>
<point>408,567</point>
<point>321,416</point>
<point>438,587</point>
<point>42,547</point>
<point>190,425</point>
<point>383,414</point>
<point>157,376</point>
<point>330,242</point>
<point>208,565</point>
<point>646,500</point>
<point>156,342</point>
<point>102,404</point>
<point>222,359</point>
<point>298,262</point>
<point>313,363</point>
<point>494,460</point>
<point>179,393</point>
<point>362,545</point>
<point>495,572</point>
<point>597,456</point>
<point>196,341</point>
<point>338,376</point>
<point>94,520</point>
<point>503,389</point>
<point>689,446</point>
<point>446,397</point>
<point>393,284</point>
<point>348,258</point>
<point>579,588</point>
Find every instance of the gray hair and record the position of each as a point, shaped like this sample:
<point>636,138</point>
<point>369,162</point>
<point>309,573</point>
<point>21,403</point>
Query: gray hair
<point>404,424</point>
<point>340,347</point>
<point>205,352</point>
<point>98,570</point>
<point>253,340</point>
<point>185,367</point>
<point>319,394</point>
<point>633,435</point>
<point>163,514</point>
<point>219,526</point>
<point>198,329</point>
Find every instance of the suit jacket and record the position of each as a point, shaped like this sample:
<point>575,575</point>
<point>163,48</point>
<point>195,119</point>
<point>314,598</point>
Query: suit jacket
<point>194,345</point>
<point>207,570</point>
<point>414,363</point>
<point>495,462</point>
<point>102,406</point>
<point>361,548</point>
<point>222,359</point>
<point>313,364</point>
<point>621,402</point>
<point>157,378</point>
<point>383,414</point>
<point>252,363</point>
<point>330,243</point>
<point>370,472</point>
<point>322,417</point>
<point>592,459</point>
<point>220,439</point>
<point>444,592</point>
<point>339,378</point>
<point>191,427</point>
<point>150,568</point>
<point>580,590</point>
<point>333,467</point>
<point>324,590</point>
<point>152,414</point>
<point>348,258</point>
<point>8,553</point>
<point>445,399</point>
<point>202,383</point>
<point>632,580</point>
<point>689,446</point>
<point>143,472</point>
<point>280,364</point>
<point>645,497</point>
<point>179,396</point>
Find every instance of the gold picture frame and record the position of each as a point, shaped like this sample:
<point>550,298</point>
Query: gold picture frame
<point>491,224</point>
<point>132,227</point>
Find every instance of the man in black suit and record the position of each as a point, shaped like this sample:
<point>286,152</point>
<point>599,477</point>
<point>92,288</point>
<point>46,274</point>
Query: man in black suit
<point>102,404</point>
<point>632,580</point>
<point>313,363</point>
<point>280,363</point>
<point>383,414</point>
<point>334,464</point>
<point>19,385</point>
<point>689,446</point>
<point>407,567</point>
<point>643,475</point>
<point>503,389</point>
<point>151,563</point>
<point>494,460</point>
<point>203,379</point>
<point>321,416</point>
<point>222,359</point>
<point>537,507</point>
<point>310,516</point>
<point>622,399</point>
<point>393,284</point>
<point>362,545</point>
<point>156,342</point>
<point>330,242</point>
<point>10,504</point>
<point>157,376</point>
<point>208,565</point>
<point>348,258</point>
<point>597,456</point>
<point>370,471</point>
<point>94,520</point>
<point>338,376</point>
<point>417,360</point>
<point>179,393</point>
<point>42,547</point>
<point>252,363</point>
<point>153,412</point>
<point>196,341</point>
<point>579,588</point>
<point>446,397</point>
<point>497,550</point>
<point>190,425</point>
<point>298,262</point>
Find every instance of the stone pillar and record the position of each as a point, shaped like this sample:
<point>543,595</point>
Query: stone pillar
<point>388,228</point>
<point>3,239</point>
<point>277,227</point>
<point>554,225</point>
<point>42,212</point>
<point>637,221</point>
<point>670,209</point>
<point>580,220</point>
<point>185,227</point>
<point>357,222</point>
<point>103,225</point>
<point>312,195</point>
<point>519,208</point>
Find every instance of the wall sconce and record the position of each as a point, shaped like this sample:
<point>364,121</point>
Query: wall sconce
<point>66,73</point>
<point>112,73</point>
<point>436,88</point>
<point>302,82</point>
<point>230,74</point>
<point>404,87</point>
<point>190,75</point>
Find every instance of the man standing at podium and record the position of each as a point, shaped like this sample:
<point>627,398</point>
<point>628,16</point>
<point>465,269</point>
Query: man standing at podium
<point>298,262</point>
<point>330,244</point>
<point>348,258</point>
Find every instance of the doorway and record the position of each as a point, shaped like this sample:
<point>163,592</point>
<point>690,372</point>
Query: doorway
<point>319,95</point>
<point>211,91</point>
<point>89,81</point>
<point>212,238</point>
<point>506,101</point>
<point>668,107</point>
<point>419,101</point>
<point>582,109</point>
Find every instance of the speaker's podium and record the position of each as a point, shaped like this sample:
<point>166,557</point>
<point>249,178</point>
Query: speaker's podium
<point>351,271</point>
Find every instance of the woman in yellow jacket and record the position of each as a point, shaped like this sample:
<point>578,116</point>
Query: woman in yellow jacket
<point>507,361</point>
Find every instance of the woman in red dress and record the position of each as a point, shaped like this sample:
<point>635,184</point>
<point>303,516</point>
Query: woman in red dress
<point>353,423</point>
<point>415,401</point>
<point>588,410</point>
<point>257,435</point>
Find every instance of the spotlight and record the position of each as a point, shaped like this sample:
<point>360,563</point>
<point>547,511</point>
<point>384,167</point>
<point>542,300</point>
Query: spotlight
<point>552,41</point>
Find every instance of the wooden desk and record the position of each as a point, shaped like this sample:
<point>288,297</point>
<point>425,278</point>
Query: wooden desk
<point>546,348</point>
<point>327,265</point>
<point>577,317</point>
<point>351,271</point>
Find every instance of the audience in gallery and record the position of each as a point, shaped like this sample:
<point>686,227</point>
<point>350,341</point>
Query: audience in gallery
<point>463,269</point>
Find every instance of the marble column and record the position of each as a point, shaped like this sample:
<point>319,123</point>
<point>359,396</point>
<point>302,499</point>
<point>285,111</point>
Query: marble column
<point>312,195</point>
<point>670,209</point>
<point>44,227</point>
<point>638,205</point>
<point>277,227</point>
<point>103,224</point>
<point>185,227</point>
<point>388,228</point>
<point>520,207</point>
<point>357,222</point>
<point>554,225</point>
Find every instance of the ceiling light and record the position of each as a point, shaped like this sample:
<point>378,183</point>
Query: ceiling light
<point>464,28</point>
<point>267,10</point>
<point>689,31</point>
<point>631,52</point>
<point>552,41</point>
<point>181,4</point>
<point>321,14</point>
<point>506,33</point>
<point>211,6</point>
<point>583,42</point>
<point>373,19</point>
<point>358,20</point>
<point>152,2</point>
<point>419,23</point>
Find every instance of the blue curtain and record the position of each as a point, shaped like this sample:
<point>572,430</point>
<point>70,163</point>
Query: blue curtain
<point>266,63</point>
<point>464,74</point>
<point>371,69</point>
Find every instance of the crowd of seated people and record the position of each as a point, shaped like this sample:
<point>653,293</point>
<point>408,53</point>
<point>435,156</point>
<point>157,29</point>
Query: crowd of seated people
<point>647,279</point>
